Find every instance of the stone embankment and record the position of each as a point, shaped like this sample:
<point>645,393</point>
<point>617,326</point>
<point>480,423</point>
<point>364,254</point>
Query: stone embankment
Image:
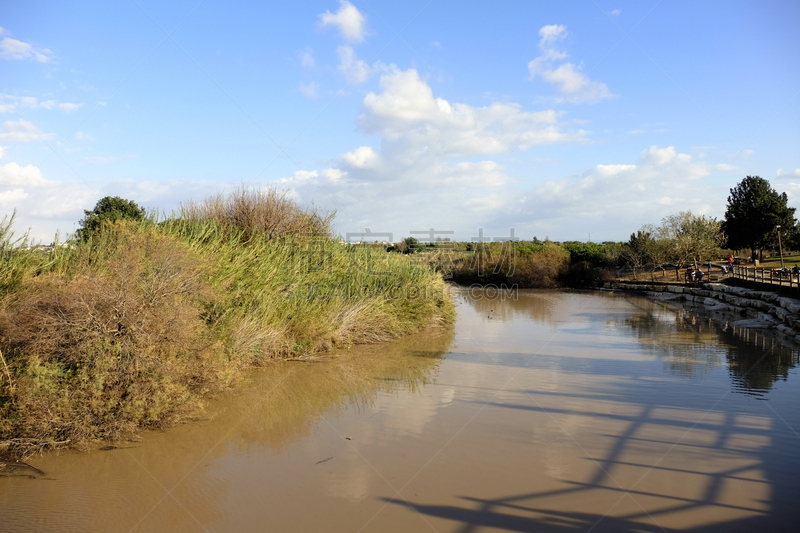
<point>757,309</point>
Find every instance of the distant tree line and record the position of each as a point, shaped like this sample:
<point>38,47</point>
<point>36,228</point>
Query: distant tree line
<point>754,215</point>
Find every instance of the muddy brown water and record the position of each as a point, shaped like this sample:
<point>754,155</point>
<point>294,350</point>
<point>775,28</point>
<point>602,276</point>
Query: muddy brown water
<point>551,411</point>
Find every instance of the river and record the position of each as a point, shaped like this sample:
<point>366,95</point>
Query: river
<point>550,411</point>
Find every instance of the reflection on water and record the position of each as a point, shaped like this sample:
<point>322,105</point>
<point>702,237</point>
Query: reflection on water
<point>756,360</point>
<point>281,403</point>
<point>690,342</point>
<point>554,411</point>
<point>507,305</point>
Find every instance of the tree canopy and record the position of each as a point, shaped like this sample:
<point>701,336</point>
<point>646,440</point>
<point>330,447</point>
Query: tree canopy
<point>108,210</point>
<point>680,239</point>
<point>692,238</point>
<point>754,210</point>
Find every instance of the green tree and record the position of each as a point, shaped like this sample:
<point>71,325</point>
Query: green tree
<point>409,245</point>
<point>754,210</point>
<point>108,210</point>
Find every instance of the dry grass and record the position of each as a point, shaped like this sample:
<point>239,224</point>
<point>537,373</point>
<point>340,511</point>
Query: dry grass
<point>112,348</point>
<point>263,211</point>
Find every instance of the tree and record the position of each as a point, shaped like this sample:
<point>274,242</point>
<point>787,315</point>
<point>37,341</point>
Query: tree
<point>691,239</point>
<point>409,245</point>
<point>637,252</point>
<point>754,210</point>
<point>108,210</point>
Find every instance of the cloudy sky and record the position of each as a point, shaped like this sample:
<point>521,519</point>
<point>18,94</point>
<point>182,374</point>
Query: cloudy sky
<point>574,120</point>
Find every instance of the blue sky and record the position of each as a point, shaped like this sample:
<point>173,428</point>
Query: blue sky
<point>571,120</point>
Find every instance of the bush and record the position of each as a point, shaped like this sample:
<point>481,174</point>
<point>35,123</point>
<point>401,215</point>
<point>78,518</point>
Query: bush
<point>113,347</point>
<point>107,211</point>
<point>265,212</point>
<point>598,255</point>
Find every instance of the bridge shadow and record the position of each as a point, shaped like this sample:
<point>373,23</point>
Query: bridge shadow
<point>717,470</point>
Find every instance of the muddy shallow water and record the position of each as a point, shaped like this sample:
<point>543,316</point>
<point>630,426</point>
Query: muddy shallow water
<point>551,411</point>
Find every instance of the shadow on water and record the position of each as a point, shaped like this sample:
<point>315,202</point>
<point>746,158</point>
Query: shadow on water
<point>694,488</point>
<point>717,459</point>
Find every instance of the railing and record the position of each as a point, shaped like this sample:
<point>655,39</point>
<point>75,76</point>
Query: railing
<point>769,276</point>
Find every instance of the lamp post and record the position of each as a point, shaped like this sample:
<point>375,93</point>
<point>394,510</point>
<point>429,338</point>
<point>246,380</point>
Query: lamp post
<point>780,248</point>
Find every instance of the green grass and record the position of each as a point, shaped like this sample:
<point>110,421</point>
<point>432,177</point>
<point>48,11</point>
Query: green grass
<point>775,262</point>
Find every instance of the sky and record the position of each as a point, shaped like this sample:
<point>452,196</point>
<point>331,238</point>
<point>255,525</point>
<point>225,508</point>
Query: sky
<point>574,120</point>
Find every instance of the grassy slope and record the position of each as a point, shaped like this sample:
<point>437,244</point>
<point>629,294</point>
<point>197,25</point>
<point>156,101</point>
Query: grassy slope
<point>135,328</point>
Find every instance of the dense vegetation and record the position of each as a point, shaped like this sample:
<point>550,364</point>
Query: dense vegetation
<point>525,264</point>
<point>133,326</point>
<point>754,213</point>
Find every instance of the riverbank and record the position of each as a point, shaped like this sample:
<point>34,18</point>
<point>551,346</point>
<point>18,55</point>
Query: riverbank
<point>138,326</point>
<point>755,309</point>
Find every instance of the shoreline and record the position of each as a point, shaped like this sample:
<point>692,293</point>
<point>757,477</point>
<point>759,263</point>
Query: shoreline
<point>757,309</point>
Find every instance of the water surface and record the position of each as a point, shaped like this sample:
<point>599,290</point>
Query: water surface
<point>551,411</point>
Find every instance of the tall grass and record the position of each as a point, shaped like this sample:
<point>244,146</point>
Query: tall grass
<point>265,212</point>
<point>136,326</point>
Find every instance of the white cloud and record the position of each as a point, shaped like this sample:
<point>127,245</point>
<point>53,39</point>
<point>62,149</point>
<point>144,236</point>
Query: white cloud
<point>69,107</point>
<point>349,21</point>
<point>307,58</point>
<point>625,195</point>
<point>21,131</point>
<point>46,205</point>
<point>615,12</point>
<point>83,136</point>
<point>14,49</point>
<point>571,83</point>
<point>429,158</point>
<point>355,70</point>
<point>9,103</point>
<point>551,33</point>
<point>309,90</point>
<point>576,86</point>
<point>301,176</point>
<point>411,120</point>
<point>363,157</point>
<point>42,205</point>
<point>788,173</point>
<point>13,175</point>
